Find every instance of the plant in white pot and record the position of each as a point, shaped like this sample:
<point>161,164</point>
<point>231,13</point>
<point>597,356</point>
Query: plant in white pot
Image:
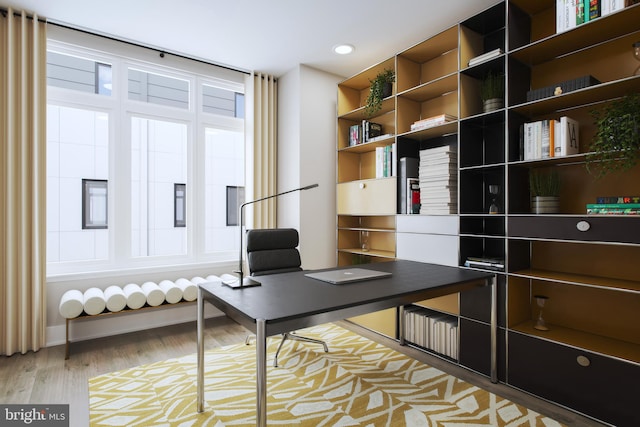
<point>544,186</point>
<point>492,92</point>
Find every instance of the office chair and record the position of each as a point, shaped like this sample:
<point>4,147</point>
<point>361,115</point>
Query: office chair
<point>271,251</point>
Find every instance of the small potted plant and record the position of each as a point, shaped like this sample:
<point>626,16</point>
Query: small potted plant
<point>381,87</point>
<point>616,145</point>
<point>492,92</point>
<point>545,191</point>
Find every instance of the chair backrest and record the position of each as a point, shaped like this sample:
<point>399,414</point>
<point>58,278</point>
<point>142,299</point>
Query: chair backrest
<point>272,251</point>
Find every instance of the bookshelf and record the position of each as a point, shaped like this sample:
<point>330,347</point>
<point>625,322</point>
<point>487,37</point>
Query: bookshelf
<point>589,276</point>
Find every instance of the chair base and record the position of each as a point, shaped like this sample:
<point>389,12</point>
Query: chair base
<point>292,336</point>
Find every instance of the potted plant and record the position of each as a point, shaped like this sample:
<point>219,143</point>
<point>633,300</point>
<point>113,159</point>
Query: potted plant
<point>544,186</point>
<point>616,145</point>
<point>381,87</point>
<point>492,92</point>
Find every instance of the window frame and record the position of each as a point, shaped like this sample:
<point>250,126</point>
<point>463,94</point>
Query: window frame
<point>120,110</point>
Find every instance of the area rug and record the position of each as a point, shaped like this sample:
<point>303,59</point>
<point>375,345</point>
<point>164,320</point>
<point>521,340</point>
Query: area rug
<point>358,383</point>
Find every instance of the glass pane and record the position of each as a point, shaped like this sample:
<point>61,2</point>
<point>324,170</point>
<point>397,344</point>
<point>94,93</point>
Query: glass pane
<point>224,167</point>
<point>222,102</point>
<point>81,74</point>
<point>77,149</point>
<point>94,204</point>
<point>158,89</point>
<point>158,162</point>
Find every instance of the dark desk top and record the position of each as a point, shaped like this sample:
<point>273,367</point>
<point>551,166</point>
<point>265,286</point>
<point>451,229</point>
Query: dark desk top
<point>290,301</point>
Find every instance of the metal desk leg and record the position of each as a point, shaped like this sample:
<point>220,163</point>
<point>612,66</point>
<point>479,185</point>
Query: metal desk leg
<point>261,372</point>
<point>200,350</point>
<point>401,324</point>
<point>494,328</point>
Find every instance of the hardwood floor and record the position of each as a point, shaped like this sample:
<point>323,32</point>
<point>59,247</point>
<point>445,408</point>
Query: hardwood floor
<point>45,377</point>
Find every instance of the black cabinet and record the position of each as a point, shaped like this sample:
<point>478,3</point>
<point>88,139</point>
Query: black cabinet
<point>601,387</point>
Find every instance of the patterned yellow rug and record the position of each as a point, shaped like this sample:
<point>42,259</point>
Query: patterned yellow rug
<point>358,383</point>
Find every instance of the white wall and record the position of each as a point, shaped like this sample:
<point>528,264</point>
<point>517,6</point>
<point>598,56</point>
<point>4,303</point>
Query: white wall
<point>307,155</point>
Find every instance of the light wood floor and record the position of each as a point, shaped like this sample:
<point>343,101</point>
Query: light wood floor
<point>45,377</point>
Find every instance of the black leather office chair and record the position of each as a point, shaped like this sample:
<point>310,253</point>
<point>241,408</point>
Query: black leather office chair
<point>271,251</point>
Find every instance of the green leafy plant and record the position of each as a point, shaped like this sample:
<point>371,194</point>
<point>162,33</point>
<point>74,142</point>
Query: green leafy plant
<point>616,144</point>
<point>377,91</point>
<point>492,86</point>
<point>544,183</point>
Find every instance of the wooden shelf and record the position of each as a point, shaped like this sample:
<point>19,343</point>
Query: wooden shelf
<point>368,146</point>
<point>578,98</point>
<point>580,280</point>
<point>583,36</point>
<point>579,339</point>
<point>370,252</point>
<point>433,132</point>
<point>432,89</point>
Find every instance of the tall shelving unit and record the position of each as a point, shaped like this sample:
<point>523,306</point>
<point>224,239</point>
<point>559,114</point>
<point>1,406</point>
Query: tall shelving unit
<point>585,265</point>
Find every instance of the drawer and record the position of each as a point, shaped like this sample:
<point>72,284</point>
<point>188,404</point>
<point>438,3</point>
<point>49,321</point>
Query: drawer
<point>620,228</point>
<point>436,224</point>
<point>431,248</point>
<point>606,389</point>
<point>367,197</point>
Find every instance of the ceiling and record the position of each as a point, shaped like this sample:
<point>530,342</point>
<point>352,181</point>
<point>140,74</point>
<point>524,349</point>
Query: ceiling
<point>268,36</point>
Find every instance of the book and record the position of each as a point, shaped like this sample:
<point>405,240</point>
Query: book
<point>592,10</point>
<point>355,136</point>
<point>413,196</point>
<point>613,211</point>
<point>485,262</point>
<point>614,205</point>
<point>370,130</point>
<point>610,6</point>
<point>408,168</point>
<point>432,121</point>
<point>618,199</point>
<point>569,141</point>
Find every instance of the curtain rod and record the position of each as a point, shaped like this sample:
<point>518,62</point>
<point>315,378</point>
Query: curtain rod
<point>162,52</point>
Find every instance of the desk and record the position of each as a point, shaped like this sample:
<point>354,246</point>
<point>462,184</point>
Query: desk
<point>290,301</point>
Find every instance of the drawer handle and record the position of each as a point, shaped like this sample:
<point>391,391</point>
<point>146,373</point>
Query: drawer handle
<point>583,361</point>
<point>362,185</point>
<point>583,226</point>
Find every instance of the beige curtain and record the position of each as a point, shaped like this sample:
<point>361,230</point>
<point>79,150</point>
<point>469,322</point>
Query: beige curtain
<point>265,149</point>
<point>22,183</point>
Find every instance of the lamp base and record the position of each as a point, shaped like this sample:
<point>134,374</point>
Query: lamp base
<point>247,282</point>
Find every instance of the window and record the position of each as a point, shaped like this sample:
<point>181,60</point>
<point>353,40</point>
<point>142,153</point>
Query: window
<point>79,74</point>
<point>94,204</point>
<point>158,89</point>
<point>120,158</point>
<point>179,205</point>
<point>235,198</point>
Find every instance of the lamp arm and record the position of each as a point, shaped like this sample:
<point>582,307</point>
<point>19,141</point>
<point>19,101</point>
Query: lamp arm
<point>240,271</point>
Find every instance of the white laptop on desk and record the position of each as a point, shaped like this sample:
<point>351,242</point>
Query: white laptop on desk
<point>349,275</point>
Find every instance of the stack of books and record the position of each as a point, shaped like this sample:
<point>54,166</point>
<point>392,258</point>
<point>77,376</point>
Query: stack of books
<point>486,263</point>
<point>432,330</point>
<point>624,205</point>
<point>485,57</point>
<point>549,138</point>
<point>432,121</point>
<point>438,175</point>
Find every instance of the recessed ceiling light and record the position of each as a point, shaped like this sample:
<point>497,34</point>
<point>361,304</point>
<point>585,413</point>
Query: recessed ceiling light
<point>343,49</point>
